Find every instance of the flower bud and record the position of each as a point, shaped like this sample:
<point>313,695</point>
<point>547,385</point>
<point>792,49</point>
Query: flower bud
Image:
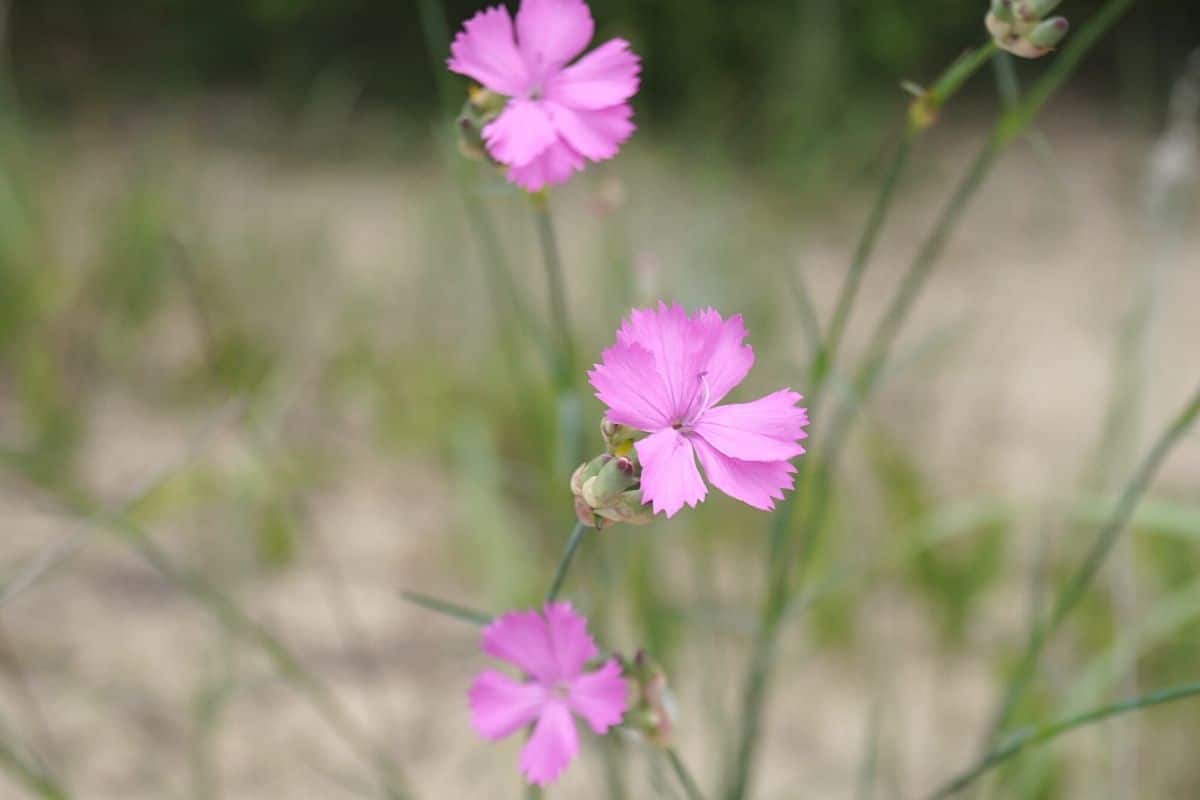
<point>1048,34</point>
<point>628,508</point>
<point>613,479</point>
<point>998,27</point>
<point>619,439</point>
<point>485,103</point>
<point>1002,10</point>
<point>652,708</point>
<point>607,492</point>
<point>1022,29</point>
<point>1031,10</point>
<point>470,138</point>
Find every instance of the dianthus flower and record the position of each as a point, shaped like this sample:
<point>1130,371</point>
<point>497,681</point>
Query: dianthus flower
<point>664,377</point>
<point>551,649</point>
<point>558,115</point>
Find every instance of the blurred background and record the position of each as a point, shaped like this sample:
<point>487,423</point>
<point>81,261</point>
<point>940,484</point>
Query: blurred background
<point>257,379</point>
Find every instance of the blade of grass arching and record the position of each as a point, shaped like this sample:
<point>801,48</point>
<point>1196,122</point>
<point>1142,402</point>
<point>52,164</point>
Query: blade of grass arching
<point>1046,733</point>
<point>447,609</point>
<point>806,310</point>
<point>691,789</point>
<point>32,777</point>
<point>230,615</point>
<point>58,553</point>
<point>42,739</point>
<point>1160,625</point>
<point>1097,554</point>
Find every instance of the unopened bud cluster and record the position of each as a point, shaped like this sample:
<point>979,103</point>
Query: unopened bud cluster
<point>1021,26</point>
<point>481,108</point>
<point>652,709</point>
<point>608,489</point>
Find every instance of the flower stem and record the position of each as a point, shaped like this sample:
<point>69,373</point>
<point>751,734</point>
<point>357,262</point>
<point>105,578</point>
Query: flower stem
<point>690,788</point>
<point>779,553</point>
<point>570,431</point>
<point>556,291</point>
<point>564,565</point>
<point>780,550</point>
<point>827,354</point>
<point>1045,733</point>
<point>1082,578</point>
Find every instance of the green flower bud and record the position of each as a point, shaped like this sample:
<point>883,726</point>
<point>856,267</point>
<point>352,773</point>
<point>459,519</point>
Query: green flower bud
<point>613,479</point>
<point>1048,34</point>
<point>607,492</point>
<point>619,439</point>
<point>470,138</point>
<point>485,103</point>
<point>652,708</point>
<point>1037,9</point>
<point>629,509</point>
<point>998,28</point>
<point>1002,10</point>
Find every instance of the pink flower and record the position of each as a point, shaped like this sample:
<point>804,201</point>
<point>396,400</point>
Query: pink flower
<point>557,116</point>
<point>665,376</point>
<point>551,649</point>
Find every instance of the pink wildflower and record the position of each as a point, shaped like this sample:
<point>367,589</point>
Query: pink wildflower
<point>557,116</point>
<point>551,648</point>
<point>665,376</point>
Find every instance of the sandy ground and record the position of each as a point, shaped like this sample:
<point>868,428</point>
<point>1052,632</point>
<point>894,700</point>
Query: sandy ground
<point>110,673</point>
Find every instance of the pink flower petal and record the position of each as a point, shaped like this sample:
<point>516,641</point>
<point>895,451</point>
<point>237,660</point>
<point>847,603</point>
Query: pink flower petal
<point>553,744</point>
<point>486,51</point>
<point>500,706</point>
<point>552,32</point>
<point>522,639</point>
<point>520,134</point>
<point>603,78</point>
<point>573,647</point>
<point>627,381</point>
<point>725,360</point>
<point>596,135</point>
<point>600,697</point>
<point>669,334</point>
<point>766,429</point>
<point>755,483</point>
<point>669,475</point>
<point>553,167</point>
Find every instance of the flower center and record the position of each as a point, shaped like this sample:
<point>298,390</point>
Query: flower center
<point>560,690</point>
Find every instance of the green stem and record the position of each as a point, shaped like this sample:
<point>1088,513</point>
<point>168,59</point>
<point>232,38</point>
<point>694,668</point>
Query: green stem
<point>862,257</point>
<point>690,788</point>
<point>778,550</point>
<point>564,565</point>
<point>1053,730</point>
<point>570,430</point>
<point>1082,578</point>
<point>556,290</point>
